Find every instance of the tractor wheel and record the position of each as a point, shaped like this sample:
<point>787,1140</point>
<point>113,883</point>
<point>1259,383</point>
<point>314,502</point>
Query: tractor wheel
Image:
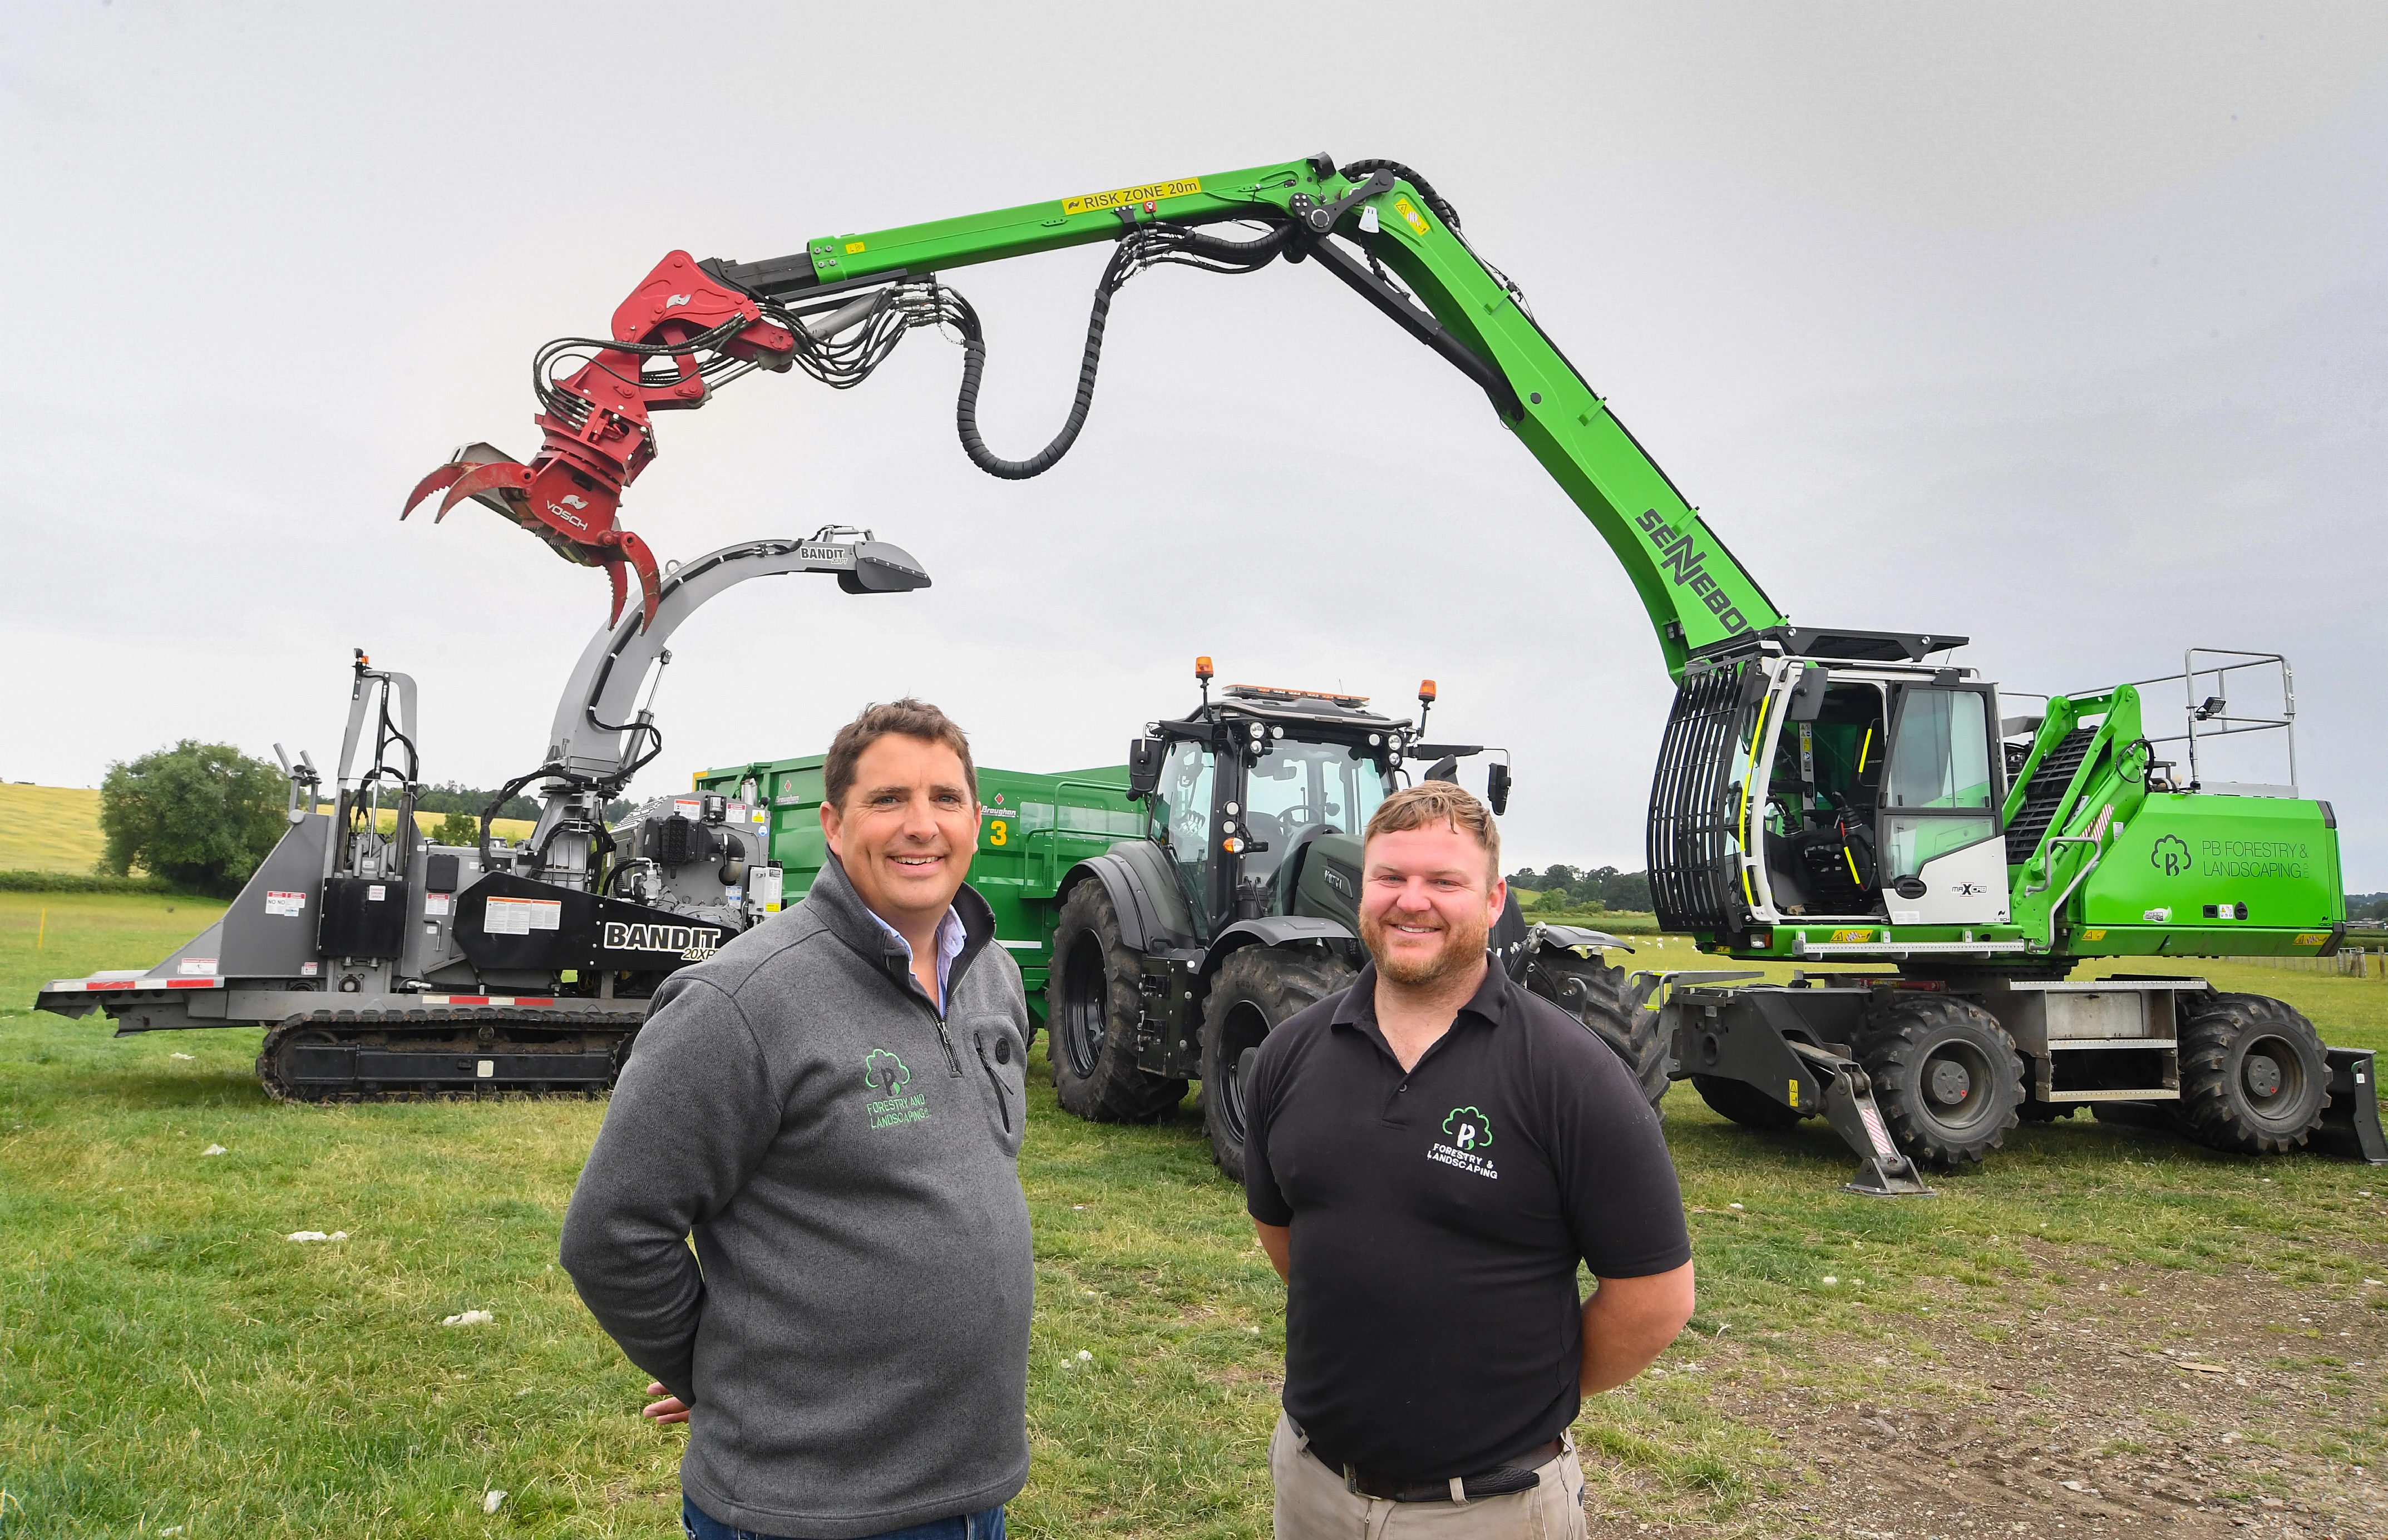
<point>1744,1103</point>
<point>2252,1076</point>
<point>1253,992</point>
<point>1595,994</point>
<point>1945,1074</point>
<point>1091,1010</point>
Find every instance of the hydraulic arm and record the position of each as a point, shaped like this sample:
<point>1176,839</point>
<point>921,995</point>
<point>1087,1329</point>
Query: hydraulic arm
<point>838,309</point>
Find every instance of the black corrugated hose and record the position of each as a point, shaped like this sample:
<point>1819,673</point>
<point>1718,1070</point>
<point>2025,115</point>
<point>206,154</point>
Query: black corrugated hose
<point>1144,248</point>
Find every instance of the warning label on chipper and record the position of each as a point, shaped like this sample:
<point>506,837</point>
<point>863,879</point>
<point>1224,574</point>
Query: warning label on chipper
<point>522,916</point>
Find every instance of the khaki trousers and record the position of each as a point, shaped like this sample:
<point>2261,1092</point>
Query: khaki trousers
<point>1313,1504</point>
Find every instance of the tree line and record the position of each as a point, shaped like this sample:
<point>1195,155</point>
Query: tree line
<point>202,816</point>
<point>1597,887</point>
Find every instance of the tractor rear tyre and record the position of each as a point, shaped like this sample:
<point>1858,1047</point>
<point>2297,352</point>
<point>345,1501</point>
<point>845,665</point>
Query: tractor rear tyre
<point>1595,994</point>
<point>1253,992</point>
<point>2253,1079</point>
<point>1091,1010</point>
<point>1945,1074</point>
<point>1744,1103</point>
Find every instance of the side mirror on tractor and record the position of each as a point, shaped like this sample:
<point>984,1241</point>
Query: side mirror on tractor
<point>1145,756</point>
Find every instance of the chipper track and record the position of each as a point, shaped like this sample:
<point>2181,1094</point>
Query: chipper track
<point>455,1055</point>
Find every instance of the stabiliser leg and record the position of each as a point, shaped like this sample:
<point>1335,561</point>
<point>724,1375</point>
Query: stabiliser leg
<point>1849,1107</point>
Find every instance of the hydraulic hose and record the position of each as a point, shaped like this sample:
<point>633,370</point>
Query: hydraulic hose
<point>1137,249</point>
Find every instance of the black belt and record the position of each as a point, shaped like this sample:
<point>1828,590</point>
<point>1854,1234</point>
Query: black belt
<point>1517,1473</point>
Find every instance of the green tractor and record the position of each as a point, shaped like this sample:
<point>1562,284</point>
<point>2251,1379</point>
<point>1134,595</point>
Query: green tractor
<point>1175,910</point>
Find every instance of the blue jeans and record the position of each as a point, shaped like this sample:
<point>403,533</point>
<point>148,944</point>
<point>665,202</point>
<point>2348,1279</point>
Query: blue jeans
<point>986,1524</point>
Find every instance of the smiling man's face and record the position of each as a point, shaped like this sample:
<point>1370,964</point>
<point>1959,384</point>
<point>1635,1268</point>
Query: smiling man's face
<point>1428,904</point>
<point>906,831</point>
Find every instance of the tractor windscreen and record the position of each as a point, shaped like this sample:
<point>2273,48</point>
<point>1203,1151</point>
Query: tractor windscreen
<point>1296,787</point>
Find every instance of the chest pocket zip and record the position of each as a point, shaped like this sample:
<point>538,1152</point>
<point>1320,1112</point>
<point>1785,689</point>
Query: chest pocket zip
<point>1002,1101</point>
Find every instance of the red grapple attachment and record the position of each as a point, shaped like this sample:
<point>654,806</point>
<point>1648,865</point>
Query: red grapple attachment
<point>598,436</point>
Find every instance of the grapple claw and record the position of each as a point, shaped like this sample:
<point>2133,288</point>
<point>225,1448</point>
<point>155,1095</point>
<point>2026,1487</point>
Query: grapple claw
<point>621,588</point>
<point>651,582</point>
<point>430,484</point>
<point>499,476</point>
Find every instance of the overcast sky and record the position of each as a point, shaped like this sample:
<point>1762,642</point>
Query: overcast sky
<point>2063,327</point>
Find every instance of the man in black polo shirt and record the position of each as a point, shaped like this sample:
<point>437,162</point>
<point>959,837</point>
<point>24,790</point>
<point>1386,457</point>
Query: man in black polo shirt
<point>1429,1155</point>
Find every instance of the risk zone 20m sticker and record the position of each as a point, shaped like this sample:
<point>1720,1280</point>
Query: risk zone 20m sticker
<point>1151,192</point>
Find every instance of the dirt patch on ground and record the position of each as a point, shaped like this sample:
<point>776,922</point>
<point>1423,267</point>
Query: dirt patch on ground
<point>2129,1402</point>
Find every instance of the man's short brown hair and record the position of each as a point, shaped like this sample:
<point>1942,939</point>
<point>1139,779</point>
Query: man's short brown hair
<point>913,719</point>
<point>1433,802</point>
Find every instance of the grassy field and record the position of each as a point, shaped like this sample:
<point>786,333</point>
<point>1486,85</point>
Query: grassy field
<point>168,1358</point>
<point>48,829</point>
<point>57,828</point>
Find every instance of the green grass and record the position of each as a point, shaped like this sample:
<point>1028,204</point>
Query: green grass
<point>167,1358</point>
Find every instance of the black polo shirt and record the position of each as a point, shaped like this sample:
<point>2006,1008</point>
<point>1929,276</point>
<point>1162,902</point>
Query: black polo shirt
<point>1434,1328</point>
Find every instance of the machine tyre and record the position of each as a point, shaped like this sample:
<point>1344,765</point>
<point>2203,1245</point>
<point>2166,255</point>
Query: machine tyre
<point>1945,1074</point>
<point>1595,994</point>
<point>2253,1079</point>
<point>1744,1103</point>
<point>1253,992</point>
<point>1091,1008</point>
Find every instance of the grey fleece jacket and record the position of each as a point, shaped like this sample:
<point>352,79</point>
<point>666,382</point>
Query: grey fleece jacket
<point>855,1347</point>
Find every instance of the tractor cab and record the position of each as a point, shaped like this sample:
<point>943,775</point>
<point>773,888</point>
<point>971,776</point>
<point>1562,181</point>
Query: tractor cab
<point>1260,797</point>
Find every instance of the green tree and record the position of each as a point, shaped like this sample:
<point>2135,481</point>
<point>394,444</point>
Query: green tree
<point>458,829</point>
<point>200,815</point>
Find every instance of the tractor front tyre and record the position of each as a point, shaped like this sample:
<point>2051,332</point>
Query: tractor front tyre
<point>1744,1103</point>
<point>1595,994</point>
<point>1253,992</point>
<point>1091,1010</point>
<point>2253,1079</point>
<point>1946,1076</point>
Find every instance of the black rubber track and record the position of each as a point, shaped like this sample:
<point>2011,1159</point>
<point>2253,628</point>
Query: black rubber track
<point>480,1035</point>
<point>2222,1105</point>
<point>1091,1009</point>
<point>1916,1036</point>
<point>1253,992</point>
<point>1596,994</point>
<point>1744,1103</point>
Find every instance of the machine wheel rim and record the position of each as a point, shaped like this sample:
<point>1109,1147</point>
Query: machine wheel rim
<point>2272,1058</point>
<point>1085,996</point>
<point>1242,1030</point>
<point>1957,1063</point>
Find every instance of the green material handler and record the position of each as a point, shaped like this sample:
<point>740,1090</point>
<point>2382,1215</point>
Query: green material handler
<point>1836,797</point>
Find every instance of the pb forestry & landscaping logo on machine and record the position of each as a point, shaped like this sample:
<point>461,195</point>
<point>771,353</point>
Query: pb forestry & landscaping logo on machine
<point>1467,1134</point>
<point>888,1074</point>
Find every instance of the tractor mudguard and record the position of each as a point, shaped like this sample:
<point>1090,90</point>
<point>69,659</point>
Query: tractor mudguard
<point>1146,916</point>
<point>2350,1125</point>
<point>1271,930</point>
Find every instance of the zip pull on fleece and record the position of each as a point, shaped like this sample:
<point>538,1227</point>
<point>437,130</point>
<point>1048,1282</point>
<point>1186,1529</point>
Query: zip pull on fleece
<point>953,1060</point>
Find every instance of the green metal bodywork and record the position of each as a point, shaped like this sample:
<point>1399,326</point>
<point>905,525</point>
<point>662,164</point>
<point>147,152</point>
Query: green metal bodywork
<point>1032,829</point>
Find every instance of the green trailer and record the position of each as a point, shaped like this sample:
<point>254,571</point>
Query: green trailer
<point>1032,829</point>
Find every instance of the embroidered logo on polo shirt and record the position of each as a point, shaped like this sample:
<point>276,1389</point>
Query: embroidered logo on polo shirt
<point>889,1075</point>
<point>1469,1133</point>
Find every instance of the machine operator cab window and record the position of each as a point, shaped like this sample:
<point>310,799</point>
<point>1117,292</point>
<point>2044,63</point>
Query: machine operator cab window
<point>1296,791</point>
<point>1883,806</point>
<point>1180,813</point>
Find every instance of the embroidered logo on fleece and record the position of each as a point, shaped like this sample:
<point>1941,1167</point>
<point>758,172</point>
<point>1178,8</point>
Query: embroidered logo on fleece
<point>1470,1134</point>
<point>889,1075</point>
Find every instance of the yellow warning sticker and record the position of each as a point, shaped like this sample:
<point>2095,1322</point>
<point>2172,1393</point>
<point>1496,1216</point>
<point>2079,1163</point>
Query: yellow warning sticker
<point>1852,937</point>
<point>2313,939</point>
<point>2093,935</point>
<point>1408,210</point>
<point>852,248</point>
<point>1795,1092</point>
<point>1151,192</point>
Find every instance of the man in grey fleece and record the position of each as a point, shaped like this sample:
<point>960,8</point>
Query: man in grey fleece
<point>832,1106</point>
